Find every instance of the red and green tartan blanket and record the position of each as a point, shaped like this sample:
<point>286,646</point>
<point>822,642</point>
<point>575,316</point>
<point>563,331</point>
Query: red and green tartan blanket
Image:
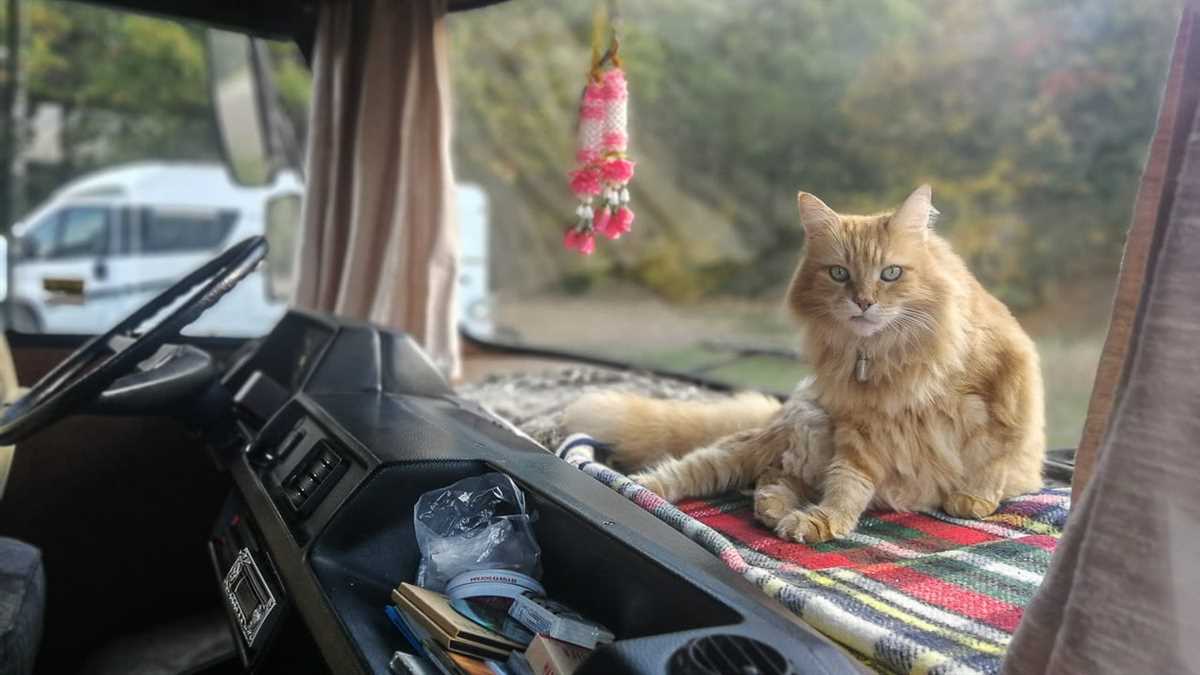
<point>906,592</point>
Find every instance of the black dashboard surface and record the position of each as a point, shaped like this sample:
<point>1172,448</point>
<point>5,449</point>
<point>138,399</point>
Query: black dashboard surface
<point>356,425</point>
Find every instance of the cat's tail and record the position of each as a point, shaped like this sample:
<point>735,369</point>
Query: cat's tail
<point>643,430</point>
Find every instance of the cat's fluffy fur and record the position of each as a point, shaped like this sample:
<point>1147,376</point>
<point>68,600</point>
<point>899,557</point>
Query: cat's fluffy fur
<point>951,414</point>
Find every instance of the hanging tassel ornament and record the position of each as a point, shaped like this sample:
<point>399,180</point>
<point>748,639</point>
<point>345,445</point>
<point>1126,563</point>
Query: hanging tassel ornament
<point>602,168</point>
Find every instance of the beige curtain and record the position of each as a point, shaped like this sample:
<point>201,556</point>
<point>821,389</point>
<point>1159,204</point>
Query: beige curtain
<point>1123,592</point>
<point>379,239</point>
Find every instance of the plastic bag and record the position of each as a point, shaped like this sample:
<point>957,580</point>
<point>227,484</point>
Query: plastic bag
<point>478,523</point>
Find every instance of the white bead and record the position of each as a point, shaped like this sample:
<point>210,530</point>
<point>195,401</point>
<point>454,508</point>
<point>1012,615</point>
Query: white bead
<point>624,195</point>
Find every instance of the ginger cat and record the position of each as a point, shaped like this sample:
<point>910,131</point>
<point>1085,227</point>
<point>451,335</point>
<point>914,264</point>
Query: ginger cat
<point>926,392</point>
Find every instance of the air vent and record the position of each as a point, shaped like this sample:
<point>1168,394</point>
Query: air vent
<point>728,655</point>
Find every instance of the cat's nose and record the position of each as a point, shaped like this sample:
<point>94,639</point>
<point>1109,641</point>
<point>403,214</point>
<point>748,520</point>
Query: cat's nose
<point>864,303</point>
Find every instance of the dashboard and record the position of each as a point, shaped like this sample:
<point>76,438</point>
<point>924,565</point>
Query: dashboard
<point>343,425</point>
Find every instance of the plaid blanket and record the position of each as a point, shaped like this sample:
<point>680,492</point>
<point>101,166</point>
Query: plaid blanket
<point>906,592</point>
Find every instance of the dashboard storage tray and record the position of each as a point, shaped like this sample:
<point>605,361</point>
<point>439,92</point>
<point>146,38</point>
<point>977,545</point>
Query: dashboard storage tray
<point>370,547</point>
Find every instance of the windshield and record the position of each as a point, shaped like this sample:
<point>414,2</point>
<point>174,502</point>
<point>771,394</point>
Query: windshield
<point>1030,120</point>
<point>117,184</point>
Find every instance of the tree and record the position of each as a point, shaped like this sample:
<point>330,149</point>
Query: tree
<point>1031,120</point>
<point>130,87</point>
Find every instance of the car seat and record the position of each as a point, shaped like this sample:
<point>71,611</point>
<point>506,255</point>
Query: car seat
<point>22,577</point>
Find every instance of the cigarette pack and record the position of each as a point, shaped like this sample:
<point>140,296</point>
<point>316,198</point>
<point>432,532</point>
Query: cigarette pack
<point>548,656</point>
<point>546,617</point>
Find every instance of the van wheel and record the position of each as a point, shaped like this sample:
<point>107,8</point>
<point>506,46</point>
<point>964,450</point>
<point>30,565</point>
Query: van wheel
<point>24,320</point>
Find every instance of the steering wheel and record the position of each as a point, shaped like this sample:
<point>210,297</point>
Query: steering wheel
<point>118,365</point>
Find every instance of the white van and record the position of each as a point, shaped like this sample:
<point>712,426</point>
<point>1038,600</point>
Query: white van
<point>102,245</point>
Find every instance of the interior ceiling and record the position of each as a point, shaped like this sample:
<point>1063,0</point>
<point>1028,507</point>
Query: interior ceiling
<point>264,18</point>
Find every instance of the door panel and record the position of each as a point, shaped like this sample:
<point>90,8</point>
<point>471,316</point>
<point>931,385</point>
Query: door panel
<point>78,253</point>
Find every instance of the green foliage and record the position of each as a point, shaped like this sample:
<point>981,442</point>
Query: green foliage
<point>131,87</point>
<point>663,271</point>
<point>293,83</point>
<point>1031,120</point>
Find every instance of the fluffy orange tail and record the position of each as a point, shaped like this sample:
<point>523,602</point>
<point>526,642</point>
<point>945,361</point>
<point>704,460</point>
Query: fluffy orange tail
<point>644,430</point>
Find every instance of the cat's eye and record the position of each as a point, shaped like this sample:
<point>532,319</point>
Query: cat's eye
<point>891,273</point>
<point>839,273</point>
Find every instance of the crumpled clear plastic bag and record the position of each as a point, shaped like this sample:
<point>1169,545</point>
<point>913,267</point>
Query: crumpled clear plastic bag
<point>478,523</point>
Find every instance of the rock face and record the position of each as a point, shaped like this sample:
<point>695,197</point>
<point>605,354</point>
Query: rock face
<point>534,402</point>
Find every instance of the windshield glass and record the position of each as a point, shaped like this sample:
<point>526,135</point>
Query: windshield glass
<point>1030,120</point>
<point>117,184</point>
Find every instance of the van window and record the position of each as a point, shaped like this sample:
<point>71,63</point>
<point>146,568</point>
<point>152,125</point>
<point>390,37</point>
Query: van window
<point>82,232</point>
<point>69,233</point>
<point>181,231</point>
<point>39,240</point>
<point>117,145</point>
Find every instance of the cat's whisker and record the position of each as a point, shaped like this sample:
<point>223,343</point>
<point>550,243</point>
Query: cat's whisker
<point>923,316</point>
<point>908,329</point>
<point>904,323</point>
<point>918,319</point>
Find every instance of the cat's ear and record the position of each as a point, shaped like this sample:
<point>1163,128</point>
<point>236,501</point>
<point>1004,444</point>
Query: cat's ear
<point>916,214</point>
<point>815,216</point>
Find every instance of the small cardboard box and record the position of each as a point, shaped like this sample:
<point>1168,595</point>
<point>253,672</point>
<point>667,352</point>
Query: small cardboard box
<point>548,656</point>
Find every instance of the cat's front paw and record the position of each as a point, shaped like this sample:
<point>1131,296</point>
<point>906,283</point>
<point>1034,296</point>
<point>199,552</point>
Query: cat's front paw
<point>653,484</point>
<point>772,503</point>
<point>965,506</point>
<point>813,526</point>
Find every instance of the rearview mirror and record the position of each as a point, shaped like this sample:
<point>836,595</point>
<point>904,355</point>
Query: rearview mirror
<point>252,129</point>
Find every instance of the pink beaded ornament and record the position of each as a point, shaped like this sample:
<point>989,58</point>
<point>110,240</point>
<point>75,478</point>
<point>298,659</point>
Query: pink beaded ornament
<point>602,171</point>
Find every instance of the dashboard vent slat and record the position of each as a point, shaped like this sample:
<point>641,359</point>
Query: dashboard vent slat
<point>728,655</point>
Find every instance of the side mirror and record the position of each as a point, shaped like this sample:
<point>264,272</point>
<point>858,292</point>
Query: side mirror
<point>283,226</point>
<point>255,136</point>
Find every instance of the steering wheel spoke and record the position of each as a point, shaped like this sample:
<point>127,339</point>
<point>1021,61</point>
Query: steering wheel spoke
<point>119,343</point>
